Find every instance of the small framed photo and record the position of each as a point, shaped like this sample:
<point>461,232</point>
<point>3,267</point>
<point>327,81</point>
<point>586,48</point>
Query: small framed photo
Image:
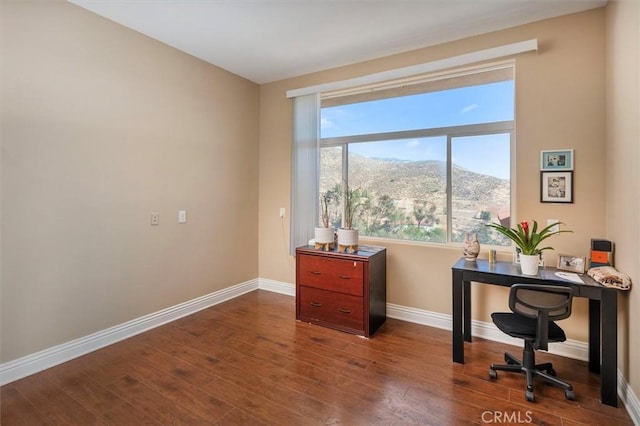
<point>571,263</point>
<point>556,160</point>
<point>556,187</point>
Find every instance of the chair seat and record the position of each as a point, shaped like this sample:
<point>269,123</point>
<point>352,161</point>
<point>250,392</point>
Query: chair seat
<point>525,328</point>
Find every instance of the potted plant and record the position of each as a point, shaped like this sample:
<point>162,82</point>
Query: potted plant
<point>324,235</point>
<point>347,236</point>
<point>528,239</point>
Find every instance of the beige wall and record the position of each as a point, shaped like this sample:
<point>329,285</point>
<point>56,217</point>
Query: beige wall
<point>560,104</point>
<point>100,127</point>
<point>623,162</point>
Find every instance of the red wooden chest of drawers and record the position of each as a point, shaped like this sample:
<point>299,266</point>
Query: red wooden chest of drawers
<point>343,291</point>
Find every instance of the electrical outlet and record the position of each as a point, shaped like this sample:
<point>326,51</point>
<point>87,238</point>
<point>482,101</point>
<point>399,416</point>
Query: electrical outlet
<point>155,218</point>
<point>281,211</point>
<point>182,216</point>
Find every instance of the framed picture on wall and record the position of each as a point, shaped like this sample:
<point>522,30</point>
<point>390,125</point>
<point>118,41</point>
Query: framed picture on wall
<point>556,187</point>
<point>556,160</point>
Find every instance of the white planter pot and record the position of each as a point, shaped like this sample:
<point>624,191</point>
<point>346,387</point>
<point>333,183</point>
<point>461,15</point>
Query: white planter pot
<point>324,235</point>
<point>529,264</point>
<point>348,237</point>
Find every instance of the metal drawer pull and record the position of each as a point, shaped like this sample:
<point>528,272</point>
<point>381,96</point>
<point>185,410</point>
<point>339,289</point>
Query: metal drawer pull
<point>344,277</point>
<point>315,272</point>
<point>344,310</point>
<point>316,304</point>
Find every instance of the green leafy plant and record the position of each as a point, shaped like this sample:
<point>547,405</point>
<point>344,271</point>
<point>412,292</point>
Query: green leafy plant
<point>326,199</point>
<point>352,202</point>
<point>526,238</point>
<point>324,209</point>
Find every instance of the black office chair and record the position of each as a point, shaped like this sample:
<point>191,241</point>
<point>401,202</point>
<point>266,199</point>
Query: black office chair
<point>535,308</point>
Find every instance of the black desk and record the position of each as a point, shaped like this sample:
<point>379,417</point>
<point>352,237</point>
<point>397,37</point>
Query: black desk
<point>603,311</point>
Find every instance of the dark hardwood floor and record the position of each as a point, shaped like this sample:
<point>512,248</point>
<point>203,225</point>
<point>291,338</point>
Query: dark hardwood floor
<point>248,362</point>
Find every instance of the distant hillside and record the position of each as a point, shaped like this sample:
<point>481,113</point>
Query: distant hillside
<point>417,180</point>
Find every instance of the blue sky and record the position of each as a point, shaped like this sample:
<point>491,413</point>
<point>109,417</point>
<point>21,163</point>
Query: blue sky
<point>467,105</point>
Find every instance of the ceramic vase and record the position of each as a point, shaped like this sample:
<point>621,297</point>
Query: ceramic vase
<point>471,247</point>
<point>324,235</point>
<point>324,238</point>
<point>529,264</point>
<point>347,240</point>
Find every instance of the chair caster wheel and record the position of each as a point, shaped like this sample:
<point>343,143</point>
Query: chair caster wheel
<point>551,372</point>
<point>530,396</point>
<point>570,395</point>
<point>493,374</point>
<point>508,360</point>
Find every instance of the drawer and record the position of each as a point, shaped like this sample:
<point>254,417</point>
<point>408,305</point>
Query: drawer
<point>338,309</point>
<point>341,275</point>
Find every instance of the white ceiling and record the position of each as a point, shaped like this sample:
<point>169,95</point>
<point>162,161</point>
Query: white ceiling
<point>269,40</point>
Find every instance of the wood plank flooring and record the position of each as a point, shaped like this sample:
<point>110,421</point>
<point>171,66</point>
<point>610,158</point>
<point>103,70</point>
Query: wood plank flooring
<point>248,362</point>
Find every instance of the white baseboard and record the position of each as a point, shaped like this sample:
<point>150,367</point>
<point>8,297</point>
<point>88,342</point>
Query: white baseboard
<point>287,289</point>
<point>571,348</point>
<point>629,399</point>
<point>31,364</point>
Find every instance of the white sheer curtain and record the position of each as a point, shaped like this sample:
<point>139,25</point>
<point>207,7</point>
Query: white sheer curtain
<point>305,164</point>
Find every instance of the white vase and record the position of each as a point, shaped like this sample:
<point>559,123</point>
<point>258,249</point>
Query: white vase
<point>348,237</point>
<point>324,235</point>
<point>529,264</point>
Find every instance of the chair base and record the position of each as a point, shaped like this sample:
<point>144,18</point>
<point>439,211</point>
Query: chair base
<point>530,369</point>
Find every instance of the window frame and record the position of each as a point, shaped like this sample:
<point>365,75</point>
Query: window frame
<point>450,132</point>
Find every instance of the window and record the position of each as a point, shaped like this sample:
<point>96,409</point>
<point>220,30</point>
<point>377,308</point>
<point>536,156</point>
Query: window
<point>430,157</point>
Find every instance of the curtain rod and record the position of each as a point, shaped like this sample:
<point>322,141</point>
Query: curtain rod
<point>440,64</point>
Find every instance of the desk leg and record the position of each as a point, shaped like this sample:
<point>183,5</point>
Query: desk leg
<point>458,336</point>
<point>594,336</point>
<point>467,310</point>
<point>609,352</point>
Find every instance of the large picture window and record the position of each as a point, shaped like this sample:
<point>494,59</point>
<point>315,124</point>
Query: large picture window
<point>430,158</point>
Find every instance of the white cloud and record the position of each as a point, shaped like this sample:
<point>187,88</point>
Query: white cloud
<point>325,123</point>
<point>413,143</point>
<point>469,108</point>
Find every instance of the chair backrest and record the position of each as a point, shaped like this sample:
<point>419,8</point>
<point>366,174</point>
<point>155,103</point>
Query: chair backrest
<point>543,302</point>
